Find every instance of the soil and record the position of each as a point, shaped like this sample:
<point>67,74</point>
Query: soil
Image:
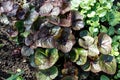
<point>10,62</point>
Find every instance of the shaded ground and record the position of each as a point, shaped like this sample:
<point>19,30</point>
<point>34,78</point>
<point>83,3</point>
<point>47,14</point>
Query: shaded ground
<point>10,63</point>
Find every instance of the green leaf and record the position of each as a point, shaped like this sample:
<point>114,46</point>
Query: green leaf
<point>86,41</point>
<point>115,46</point>
<point>101,12</point>
<point>118,74</point>
<point>108,5</point>
<point>15,39</point>
<point>86,66</point>
<point>110,16</point>
<point>102,1</point>
<point>48,74</point>
<point>95,19</point>
<point>82,56</point>
<point>103,19</point>
<point>19,78</point>
<point>83,75</point>
<point>25,34</point>
<point>114,53</point>
<point>116,38</point>
<point>32,62</point>
<point>74,55</point>
<point>94,31</point>
<point>1,45</point>
<point>75,4</point>
<point>108,67</point>
<point>41,76</point>
<point>118,60</point>
<point>91,14</point>
<point>13,77</point>
<point>20,26</point>
<point>103,77</point>
<point>46,59</point>
<point>111,30</point>
<point>113,17</point>
<point>118,31</point>
<point>103,29</point>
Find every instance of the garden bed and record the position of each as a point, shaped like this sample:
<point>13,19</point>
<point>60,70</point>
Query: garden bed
<point>60,40</point>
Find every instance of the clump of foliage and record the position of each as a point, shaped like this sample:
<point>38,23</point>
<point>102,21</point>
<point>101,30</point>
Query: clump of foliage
<point>99,16</point>
<point>78,31</point>
<point>95,54</point>
<point>97,13</point>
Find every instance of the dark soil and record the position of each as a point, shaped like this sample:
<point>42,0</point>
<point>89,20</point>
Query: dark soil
<point>10,62</point>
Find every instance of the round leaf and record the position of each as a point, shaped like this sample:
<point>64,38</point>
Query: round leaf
<point>108,67</point>
<point>48,74</point>
<point>93,50</point>
<point>103,77</point>
<point>95,67</point>
<point>46,59</point>
<point>45,9</point>
<point>86,66</point>
<point>26,51</point>
<point>74,55</point>
<point>104,43</point>
<point>86,41</point>
<point>69,43</point>
<point>78,25</point>
<point>82,56</point>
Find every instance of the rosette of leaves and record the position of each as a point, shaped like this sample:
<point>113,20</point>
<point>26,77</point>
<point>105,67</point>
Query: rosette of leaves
<point>88,63</point>
<point>105,63</point>
<point>45,59</point>
<point>97,11</point>
<point>47,74</point>
<point>94,58</point>
<point>45,36</point>
<point>54,37</point>
<point>55,30</point>
<point>59,13</point>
